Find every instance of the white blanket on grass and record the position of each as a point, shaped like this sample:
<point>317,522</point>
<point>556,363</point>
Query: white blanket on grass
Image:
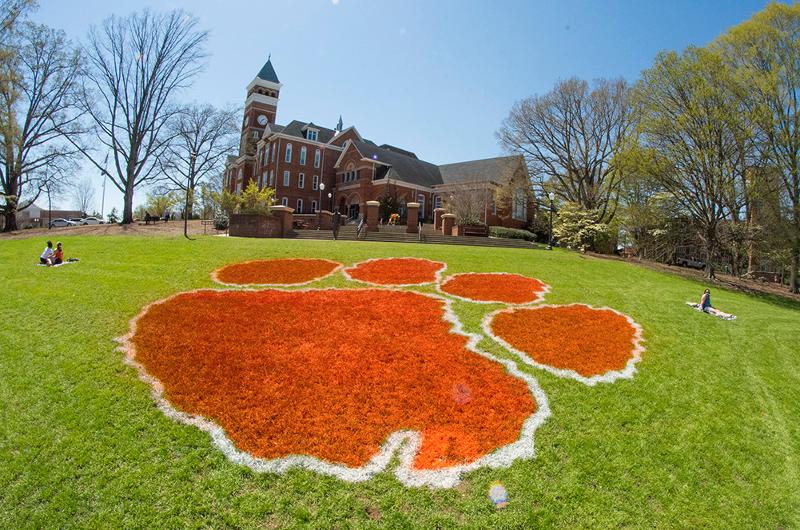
<point>711,311</point>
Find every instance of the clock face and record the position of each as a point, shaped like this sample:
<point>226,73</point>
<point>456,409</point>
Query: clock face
<point>262,120</point>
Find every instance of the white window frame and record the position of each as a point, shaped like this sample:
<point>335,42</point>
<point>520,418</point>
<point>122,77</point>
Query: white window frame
<point>314,206</point>
<point>272,177</point>
<point>285,201</point>
<point>311,134</point>
<point>519,209</point>
<point>303,155</point>
<point>299,206</point>
<point>287,178</point>
<point>421,201</point>
<point>288,157</point>
<point>315,182</point>
<point>301,180</point>
<point>316,158</point>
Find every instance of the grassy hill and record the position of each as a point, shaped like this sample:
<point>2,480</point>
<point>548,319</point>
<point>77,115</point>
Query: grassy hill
<point>705,435</point>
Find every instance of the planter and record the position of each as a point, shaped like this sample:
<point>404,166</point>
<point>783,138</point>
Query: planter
<point>252,225</point>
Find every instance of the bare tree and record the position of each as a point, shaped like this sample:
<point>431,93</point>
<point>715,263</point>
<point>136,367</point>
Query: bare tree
<point>11,12</point>
<point>468,201</point>
<point>203,137</point>
<point>569,138</point>
<point>137,65</point>
<point>39,117</point>
<point>83,194</point>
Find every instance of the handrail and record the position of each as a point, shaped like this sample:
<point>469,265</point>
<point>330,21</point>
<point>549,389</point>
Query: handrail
<point>419,232</point>
<point>360,229</point>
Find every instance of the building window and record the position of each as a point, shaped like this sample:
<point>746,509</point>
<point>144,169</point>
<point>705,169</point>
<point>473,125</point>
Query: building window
<point>301,181</point>
<point>285,201</point>
<point>311,135</point>
<point>520,206</point>
<point>303,155</point>
<point>315,182</point>
<point>313,206</point>
<point>299,206</point>
<point>274,153</point>
<point>421,201</point>
<point>316,158</point>
<point>256,134</point>
<point>266,155</point>
<point>286,178</point>
<point>271,177</point>
<point>288,153</point>
<point>437,202</point>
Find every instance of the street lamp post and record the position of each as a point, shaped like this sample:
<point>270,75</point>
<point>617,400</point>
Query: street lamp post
<point>319,204</point>
<point>551,196</point>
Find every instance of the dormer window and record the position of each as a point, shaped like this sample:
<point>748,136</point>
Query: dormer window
<point>311,134</point>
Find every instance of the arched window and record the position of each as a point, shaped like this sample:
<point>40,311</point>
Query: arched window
<point>288,153</point>
<point>303,155</point>
<point>299,206</point>
<point>421,201</point>
<point>285,201</point>
<point>316,158</point>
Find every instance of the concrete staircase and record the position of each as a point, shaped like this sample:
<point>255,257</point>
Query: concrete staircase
<point>397,234</point>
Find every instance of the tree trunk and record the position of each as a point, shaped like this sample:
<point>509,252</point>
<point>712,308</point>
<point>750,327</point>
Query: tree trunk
<point>794,264</point>
<point>127,209</point>
<point>750,260</point>
<point>10,220</point>
<point>711,238</point>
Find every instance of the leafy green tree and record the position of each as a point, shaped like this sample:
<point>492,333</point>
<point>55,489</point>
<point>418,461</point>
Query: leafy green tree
<point>113,216</point>
<point>691,123</point>
<point>159,203</point>
<point>765,53</point>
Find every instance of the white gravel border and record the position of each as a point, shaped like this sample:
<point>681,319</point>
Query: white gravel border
<point>437,276</point>
<point>404,442</point>
<point>216,279</point>
<point>538,295</point>
<point>608,377</point>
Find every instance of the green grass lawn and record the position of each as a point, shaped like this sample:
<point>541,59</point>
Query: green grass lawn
<point>707,433</point>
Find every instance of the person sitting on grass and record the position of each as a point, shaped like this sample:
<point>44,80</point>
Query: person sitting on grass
<point>47,256</point>
<point>706,307</point>
<point>58,255</point>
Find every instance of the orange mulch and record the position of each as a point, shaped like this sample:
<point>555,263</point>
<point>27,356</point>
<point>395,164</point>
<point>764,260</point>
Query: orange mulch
<point>274,271</point>
<point>396,271</point>
<point>506,288</point>
<point>331,373</point>
<point>575,337</point>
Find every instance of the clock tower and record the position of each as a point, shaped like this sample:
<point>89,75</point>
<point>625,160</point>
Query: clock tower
<point>260,107</point>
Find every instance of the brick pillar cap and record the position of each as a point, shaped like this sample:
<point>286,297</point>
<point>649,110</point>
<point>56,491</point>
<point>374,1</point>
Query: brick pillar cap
<point>412,205</point>
<point>373,203</point>
<point>326,211</point>
<point>449,215</point>
<point>440,209</point>
<point>281,208</point>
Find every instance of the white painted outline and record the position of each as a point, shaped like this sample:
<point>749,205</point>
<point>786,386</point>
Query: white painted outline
<point>608,377</point>
<point>539,294</point>
<point>216,279</point>
<point>436,278</point>
<point>405,443</point>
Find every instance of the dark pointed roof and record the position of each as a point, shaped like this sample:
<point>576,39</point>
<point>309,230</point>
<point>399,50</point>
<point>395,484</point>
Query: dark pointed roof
<point>267,72</point>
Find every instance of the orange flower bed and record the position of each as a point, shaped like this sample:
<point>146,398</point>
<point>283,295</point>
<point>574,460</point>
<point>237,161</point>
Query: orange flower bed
<point>284,374</point>
<point>588,341</point>
<point>495,287</point>
<point>396,271</point>
<point>290,271</point>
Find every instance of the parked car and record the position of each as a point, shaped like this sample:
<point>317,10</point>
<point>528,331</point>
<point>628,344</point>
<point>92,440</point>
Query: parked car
<point>60,222</point>
<point>691,262</point>
<point>92,221</point>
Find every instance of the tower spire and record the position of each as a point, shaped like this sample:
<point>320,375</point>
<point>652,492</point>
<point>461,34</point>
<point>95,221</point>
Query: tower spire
<point>339,125</point>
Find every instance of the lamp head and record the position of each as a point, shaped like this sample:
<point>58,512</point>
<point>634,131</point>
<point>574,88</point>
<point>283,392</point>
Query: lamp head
<point>552,196</point>
<point>322,186</point>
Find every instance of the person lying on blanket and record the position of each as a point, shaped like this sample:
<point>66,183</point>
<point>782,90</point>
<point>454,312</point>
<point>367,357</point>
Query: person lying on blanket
<point>46,257</point>
<point>705,305</point>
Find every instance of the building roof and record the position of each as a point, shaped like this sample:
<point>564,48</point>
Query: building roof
<point>486,170</point>
<point>398,150</point>
<point>267,72</point>
<point>406,168</point>
<point>296,128</point>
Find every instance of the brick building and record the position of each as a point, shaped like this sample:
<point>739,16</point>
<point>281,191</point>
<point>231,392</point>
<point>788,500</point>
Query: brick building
<point>296,158</point>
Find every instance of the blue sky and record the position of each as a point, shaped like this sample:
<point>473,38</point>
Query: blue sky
<point>434,77</point>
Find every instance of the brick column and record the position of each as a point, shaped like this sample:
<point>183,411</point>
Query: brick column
<point>437,218</point>
<point>372,216</point>
<point>448,220</point>
<point>412,217</point>
<point>325,220</point>
<point>286,216</point>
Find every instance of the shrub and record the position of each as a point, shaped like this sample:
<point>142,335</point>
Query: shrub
<point>511,233</point>
<point>255,201</point>
<point>221,220</point>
